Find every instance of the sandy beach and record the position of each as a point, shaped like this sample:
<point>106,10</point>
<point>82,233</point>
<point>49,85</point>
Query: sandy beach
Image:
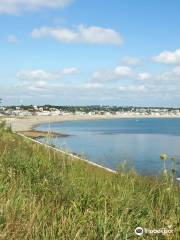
<point>28,123</point>
<point>19,124</point>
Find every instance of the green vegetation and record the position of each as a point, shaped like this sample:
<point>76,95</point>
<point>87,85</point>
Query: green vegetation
<point>94,108</point>
<point>47,195</point>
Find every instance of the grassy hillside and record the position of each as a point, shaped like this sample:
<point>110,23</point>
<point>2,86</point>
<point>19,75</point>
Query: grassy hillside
<point>46,195</point>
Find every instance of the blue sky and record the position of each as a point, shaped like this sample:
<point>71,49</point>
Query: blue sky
<point>118,52</point>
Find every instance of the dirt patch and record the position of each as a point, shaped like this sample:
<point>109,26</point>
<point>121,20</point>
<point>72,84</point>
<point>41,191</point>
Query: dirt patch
<point>41,134</point>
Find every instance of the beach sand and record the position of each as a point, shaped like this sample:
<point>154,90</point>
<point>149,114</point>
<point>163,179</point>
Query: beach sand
<point>28,123</point>
<point>23,124</point>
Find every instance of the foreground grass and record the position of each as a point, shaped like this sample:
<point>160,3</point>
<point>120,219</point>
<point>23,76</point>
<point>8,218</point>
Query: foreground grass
<point>46,195</point>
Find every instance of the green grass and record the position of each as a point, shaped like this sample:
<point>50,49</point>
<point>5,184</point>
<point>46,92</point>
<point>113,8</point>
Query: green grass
<point>47,195</point>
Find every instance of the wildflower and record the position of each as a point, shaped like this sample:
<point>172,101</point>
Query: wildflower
<point>163,156</point>
<point>174,158</point>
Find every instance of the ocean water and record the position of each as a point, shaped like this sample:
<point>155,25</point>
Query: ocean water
<point>138,142</point>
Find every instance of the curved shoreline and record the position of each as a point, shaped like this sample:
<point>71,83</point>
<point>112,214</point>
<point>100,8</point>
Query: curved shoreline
<point>19,124</point>
<point>68,154</point>
<point>23,124</point>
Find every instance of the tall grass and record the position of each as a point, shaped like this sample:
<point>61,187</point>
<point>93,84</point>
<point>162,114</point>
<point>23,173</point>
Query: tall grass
<point>47,195</point>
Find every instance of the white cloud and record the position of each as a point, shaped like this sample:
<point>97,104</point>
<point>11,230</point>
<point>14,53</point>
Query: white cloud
<point>71,70</point>
<point>81,34</point>
<point>132,89</point>
<point>172,76</point>
<point>41,83</point>
<point>92,86</point>
<point>123,71</point>
<point>94,93</point>
<point>144,76</point>
<point>41,77</point>
<point>35,75</point>
<point>41,91</point>
<point>131,61</point>
<point>12,39</point>
<point>17,6</point>
<point>168,57</point>
<point>102,76</point>
<point>118,73</point>
<point>176,71</point>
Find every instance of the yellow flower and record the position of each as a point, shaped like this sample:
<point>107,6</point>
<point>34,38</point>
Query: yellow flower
<point>163,156</point>
<point>173,158</point>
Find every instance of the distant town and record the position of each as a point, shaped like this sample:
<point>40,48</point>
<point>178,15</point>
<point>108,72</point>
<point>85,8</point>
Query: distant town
<point>49,110</point>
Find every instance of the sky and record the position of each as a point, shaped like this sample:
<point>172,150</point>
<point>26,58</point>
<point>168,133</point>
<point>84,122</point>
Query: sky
<point>76,52</point>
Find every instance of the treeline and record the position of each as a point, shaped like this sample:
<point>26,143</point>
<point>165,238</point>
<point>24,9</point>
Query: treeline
<point>91,108</point>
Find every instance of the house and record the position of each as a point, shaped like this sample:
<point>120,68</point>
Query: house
<point>44,113</point>
<point>35,108</point>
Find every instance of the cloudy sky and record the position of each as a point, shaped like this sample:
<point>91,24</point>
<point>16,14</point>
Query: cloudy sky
<point>79,52</point>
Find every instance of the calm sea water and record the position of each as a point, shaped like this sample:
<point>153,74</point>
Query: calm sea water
<point>111,142</point>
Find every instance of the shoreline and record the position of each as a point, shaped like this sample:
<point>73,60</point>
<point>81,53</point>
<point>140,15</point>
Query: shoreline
<point>67,153</point>
<point>41,134</point>
<point>27,124</point>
